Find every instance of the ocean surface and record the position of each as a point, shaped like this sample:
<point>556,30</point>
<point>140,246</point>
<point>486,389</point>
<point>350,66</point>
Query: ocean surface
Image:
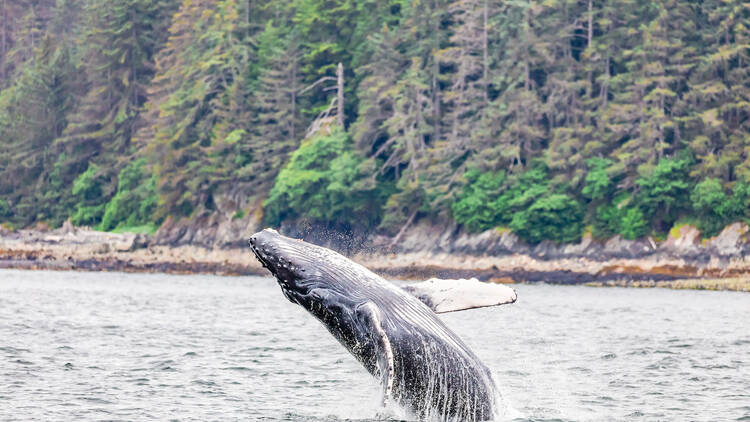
<point>111,346</point>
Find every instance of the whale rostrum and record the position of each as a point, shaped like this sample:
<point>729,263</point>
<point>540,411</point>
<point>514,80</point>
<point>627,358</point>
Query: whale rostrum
<point>393,332</point>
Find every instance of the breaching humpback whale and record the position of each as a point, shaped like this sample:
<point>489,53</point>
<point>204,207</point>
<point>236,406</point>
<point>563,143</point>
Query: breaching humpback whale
<point>394,332</point>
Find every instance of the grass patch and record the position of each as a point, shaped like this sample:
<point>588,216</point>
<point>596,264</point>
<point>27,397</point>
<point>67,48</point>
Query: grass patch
<point>735,284</point>
<point>674,232</point>
<point>149,228</point>
<point>502,230</point>
<point>238,214</point>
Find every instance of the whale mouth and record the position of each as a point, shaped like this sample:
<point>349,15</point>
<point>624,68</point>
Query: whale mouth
<point>267,261</point>
<point>257,254</point>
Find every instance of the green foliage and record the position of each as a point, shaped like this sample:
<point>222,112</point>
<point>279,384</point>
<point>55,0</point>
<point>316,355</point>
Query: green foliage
<point>88,185</point>
<point>323,181</point>
<point>5,210</point>
<point>710,201</point>
<point>598,182</point>
<point>663,191</point>
<point>476,208</point>
<point>526,203</point>
<point>739,202</point>
<point>605,221</point>
<point>134,203</point>
<point>556,217</point>
<point>87,188</point>
<point>238,215</point>
<point>715,209</point>
<point>632,224</point>
<point>149,228</point>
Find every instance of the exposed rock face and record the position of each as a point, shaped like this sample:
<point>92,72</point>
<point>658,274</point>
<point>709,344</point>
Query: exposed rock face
<point>214,230</point>
<point>587,247</point>
<point>623,248</point>
<point>426,238</point>
<point>489,242</point>
<point>685,242</point>
<point>221,228</point>
<point>732,241</point>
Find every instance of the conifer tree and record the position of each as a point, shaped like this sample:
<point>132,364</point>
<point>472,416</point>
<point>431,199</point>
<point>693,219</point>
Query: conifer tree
<point>467,97</point>
<point>194,73</point>
<point>655,74</point>
<point>276,129</point>
<point>716,114</point>
<point>122,38</point>
<point>36,107</point>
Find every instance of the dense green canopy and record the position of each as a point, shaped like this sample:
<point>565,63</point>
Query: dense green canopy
<point>548,118</point>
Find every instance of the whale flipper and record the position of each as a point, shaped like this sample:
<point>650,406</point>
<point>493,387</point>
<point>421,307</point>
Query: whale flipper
<point>456,295</point>
<point>369,314</point>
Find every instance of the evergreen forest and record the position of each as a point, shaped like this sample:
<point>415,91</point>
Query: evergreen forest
<point>548,118</point>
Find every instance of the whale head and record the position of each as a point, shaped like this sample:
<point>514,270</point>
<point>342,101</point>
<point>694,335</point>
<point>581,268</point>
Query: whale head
<point>303,270</point>
<point>283,259</point>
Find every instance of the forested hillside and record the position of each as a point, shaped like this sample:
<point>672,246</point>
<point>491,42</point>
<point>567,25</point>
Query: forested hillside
<point>548,118</point>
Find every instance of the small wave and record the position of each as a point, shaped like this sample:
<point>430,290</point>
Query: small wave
<point>97,400</point>
<point>716,366</point>
<point>165,365</point>
<point>683,345</point>
<point>236,368</point>
<point>13,350</point>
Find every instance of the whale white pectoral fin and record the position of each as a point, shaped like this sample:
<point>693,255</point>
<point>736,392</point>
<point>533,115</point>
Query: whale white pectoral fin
<point>369,314</point>
<point>457,295</point>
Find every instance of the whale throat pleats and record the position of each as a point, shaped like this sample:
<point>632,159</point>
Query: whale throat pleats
<point>457,295</point>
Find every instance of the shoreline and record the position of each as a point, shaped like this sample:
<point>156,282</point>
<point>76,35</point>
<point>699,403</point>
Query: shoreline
<point>84,250</point>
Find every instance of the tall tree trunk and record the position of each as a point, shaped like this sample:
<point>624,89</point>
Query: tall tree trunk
<point>4,42</point>
<point>605,85</point>
<point>591,24</point>
<point>527,75</point>
<point>436,72</point>
<point>294,97</point>
<point>247,20</point>
<point>340,89</point>
<point>485,54</point>
<point>588,46</point>
<point>133,61</point>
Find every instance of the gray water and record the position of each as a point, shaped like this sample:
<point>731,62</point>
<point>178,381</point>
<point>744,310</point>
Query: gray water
<point>103,346</point>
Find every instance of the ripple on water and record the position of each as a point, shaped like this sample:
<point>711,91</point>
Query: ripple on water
<point>13,351</point>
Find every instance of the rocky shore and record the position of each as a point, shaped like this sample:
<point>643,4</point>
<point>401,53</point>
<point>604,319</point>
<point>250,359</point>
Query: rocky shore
<point>683,260</point>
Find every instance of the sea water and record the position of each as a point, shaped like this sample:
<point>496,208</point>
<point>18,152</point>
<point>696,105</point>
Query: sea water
<point>113,346</point>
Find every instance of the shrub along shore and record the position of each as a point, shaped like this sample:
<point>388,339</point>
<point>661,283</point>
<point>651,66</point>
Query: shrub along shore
<point>681,261</point>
